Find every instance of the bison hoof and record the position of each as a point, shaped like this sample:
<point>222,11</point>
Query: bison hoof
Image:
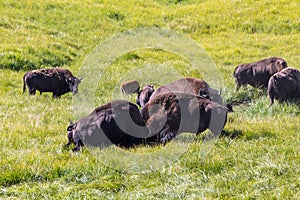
<point>76,149</point>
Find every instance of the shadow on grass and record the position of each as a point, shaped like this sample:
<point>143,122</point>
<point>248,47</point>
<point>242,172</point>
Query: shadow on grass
<point>235,133</point>
<point>260,135</point>
<point>291,101</point>
<point>246,95</point>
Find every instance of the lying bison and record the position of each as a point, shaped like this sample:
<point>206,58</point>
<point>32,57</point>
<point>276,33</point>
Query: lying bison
<point>117,122</point>
<point>130,87</point>
<point>257,74</point>
<point>56,80</point>
<point>284,85</point>
<point>168,114</point>
<point>183,85</point>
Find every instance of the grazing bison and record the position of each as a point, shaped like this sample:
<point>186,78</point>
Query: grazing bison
<point>284,85</point>
<point>183,85</point>
<point>130,87</point>
<point>257,74</point>
<point>56,80</point>
<point>168,114</point>
<point>117,122</point>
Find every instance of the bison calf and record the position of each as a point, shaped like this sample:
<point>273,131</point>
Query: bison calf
<point>117,122</point>
<point>183,85</point>
<point>130,87</point>
<point>168,114</point>
<point>56,80</point>
<point>284,85</point>
<point>257,74</point>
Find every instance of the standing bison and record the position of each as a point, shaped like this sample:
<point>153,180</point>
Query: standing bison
<point>168,114</point>
<point>56,80</point>
<point>257,74</point>
<point>183,85</point>
<point>284,85</point>
<point>118,122</point>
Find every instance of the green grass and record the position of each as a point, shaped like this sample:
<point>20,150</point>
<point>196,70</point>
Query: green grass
<point>260,162</point>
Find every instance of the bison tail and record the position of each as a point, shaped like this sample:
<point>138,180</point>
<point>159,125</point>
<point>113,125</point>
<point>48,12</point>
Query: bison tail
<point>234,72</point>
<point>271,90</point>
<point>24,84</point>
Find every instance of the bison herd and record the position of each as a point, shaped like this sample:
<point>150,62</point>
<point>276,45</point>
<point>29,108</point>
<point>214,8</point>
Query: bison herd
<point>185,105</point>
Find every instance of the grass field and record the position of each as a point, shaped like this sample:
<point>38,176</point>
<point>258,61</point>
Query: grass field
<point>260,159</point>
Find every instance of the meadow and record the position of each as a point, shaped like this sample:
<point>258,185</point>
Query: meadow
<point>258,158</point>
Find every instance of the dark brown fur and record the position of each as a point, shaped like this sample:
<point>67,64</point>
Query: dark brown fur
<point>284,85</point>
<point>257,74</point>
<point>168,114</point>
<point>130,87</point>
<point>185,85</point>
<point>56,80</point>
<point>117,122</point>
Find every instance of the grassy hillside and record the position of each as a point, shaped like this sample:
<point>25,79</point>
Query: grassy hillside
<point>259,159</point>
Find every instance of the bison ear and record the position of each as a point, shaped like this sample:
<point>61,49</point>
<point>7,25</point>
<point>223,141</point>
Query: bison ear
<point>203,93</point>
<point>71,126</point>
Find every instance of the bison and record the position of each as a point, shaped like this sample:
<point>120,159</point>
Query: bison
<point>56,80</point>
<point>144,95</point>
<point>118,122</point>
<point>257,74</point>
<point>284,85</point>
<point>183,85</point>
<point>130,87</point>
<point>168,114</point>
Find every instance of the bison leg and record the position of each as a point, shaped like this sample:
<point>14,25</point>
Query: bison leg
<point>281,100</point>
<point>271,101</point>
<point>32,91</point>
<point>77,147</point>
<point>238,85</point>
<point>70,139</point>
<point>55,95</point>
<point>166,136</point>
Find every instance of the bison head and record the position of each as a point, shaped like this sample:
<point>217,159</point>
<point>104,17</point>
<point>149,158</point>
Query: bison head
<point>73,137</point>
<point>144,95</point>
<point>73,83</point>
<point>280,64</point>
<point>215,95</point>
<point>211,94</point>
